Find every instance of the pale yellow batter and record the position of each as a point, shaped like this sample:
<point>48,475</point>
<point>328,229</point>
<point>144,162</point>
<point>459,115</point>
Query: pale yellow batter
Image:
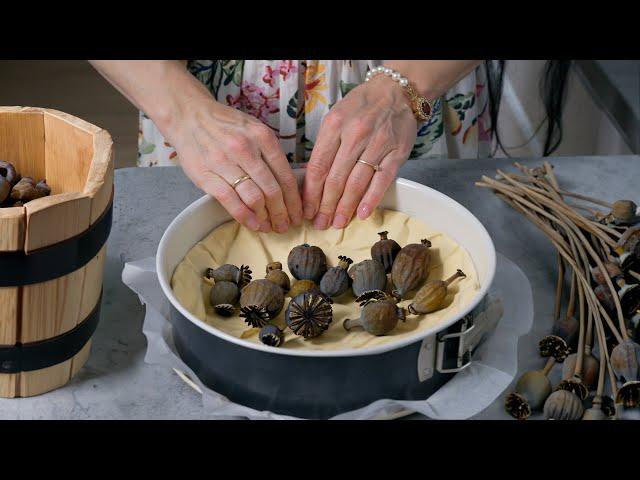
<point>232,243</point>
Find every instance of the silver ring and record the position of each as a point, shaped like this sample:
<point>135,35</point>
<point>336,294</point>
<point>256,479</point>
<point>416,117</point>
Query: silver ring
<point>375,167</point>
<point>240,180</point>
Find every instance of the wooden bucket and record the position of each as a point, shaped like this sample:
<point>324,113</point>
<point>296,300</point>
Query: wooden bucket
<point>52,249</point>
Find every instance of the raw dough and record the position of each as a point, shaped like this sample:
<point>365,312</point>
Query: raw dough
<point>233,243</point>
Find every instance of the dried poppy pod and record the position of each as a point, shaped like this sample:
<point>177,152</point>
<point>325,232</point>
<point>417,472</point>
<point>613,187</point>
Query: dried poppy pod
<point>230,273</point>
<point>517,406</point>
<point>574,385</point>
<point>336,280</point>
<point>431,296</point>
<point>590,369</point>
<point>276,275</point>
<point>567,327</point>
<point>366,276</point>
<point>302,286</point>
<point>411,267</point>
<point>223,297</point>
<point>307,262</point>
<point>385,251</point>
<point>629,242</point>
<point>43,188</point>
<point>554,346</point>
<point>613,270</point>
<point>271,335</point>
<point>260,302</point>
<point>625,360</point>
<point>376,295</point>
<point>535,387</point>
<point>377,317</point>
<point>26,190</point>
<point>629,394</point>
<point>624,212</point>
<point>563,405</point>
<point>629,296</point>
<point>5,189</point>
<point>603,293</point>
<point>309,314</point>
<point>8,172</point>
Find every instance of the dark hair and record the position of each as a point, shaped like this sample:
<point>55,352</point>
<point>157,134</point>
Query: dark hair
<point>553,85</point>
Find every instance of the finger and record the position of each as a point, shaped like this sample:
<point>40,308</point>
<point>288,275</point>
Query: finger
<point>354,190</point>
<point>334,186</point>
<point>201,175</point>
<point>359,180</point>
<point>280,168</point>
<point>248,191</point>
<point>217,161</point>
<point>218,188</point>
<point>381,180</point>
<point>322,156</point>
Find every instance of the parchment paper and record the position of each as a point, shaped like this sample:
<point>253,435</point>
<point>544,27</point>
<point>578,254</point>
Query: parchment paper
<point>468,393</point>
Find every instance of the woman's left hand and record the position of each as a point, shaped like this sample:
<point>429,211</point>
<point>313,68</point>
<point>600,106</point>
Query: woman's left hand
<point>373,123</point>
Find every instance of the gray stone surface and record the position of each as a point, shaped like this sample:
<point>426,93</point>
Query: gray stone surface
<point>117,384</point>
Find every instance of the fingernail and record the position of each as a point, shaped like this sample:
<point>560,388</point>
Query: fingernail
<point>253,224</point>
<point>309,211</point>
<point>265,226</point>
<point>363,212</point>
<point>321,221</point>
<point>340,221</point>
<point>282,226</point>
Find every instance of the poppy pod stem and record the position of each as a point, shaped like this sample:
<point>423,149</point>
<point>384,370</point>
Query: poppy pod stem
<point>349,323</point>
<point>559,288</point>
<point>548,366</point>
<point>459,274</point>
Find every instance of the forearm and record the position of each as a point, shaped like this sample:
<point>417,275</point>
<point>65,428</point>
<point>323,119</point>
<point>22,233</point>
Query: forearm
<point>162,89</point>
<point>432,78</point>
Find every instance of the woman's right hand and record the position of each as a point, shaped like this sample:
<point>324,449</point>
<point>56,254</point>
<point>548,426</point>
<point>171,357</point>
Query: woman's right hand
<point>217,144</point>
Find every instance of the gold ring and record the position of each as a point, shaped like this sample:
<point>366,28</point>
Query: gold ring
<point>239,181</point>
<point>375,167</point>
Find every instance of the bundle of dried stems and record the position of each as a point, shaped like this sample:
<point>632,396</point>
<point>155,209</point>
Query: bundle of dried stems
<point>598,245</point>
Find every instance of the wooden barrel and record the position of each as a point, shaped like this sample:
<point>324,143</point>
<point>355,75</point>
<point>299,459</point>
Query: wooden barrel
<point>52,249</point>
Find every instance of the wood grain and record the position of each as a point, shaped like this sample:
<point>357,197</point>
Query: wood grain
<point>51,308</point>
<point>99,185</point>
<point>22,141</point>
<point>9,297</point>
<point>56,218</point>
<point>92,285</point>
<point>68,152</point>
<point>76,158</point>
<point>8,384</point>
<point>12,229</point>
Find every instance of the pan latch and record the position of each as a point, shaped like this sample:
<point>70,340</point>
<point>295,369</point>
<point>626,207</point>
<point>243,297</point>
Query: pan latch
<point>440,349</point>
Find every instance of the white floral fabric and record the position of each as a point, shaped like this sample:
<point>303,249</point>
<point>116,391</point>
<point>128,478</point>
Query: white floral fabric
<point>292,97</point>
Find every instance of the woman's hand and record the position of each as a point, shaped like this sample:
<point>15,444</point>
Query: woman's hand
<point>217,145</point>
<point>373,123</point>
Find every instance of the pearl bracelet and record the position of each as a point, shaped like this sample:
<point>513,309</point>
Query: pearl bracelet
<point>422,107</point>
<point>389,73</point>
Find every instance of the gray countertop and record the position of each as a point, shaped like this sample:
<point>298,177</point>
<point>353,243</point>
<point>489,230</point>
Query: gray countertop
<point>117,384</point>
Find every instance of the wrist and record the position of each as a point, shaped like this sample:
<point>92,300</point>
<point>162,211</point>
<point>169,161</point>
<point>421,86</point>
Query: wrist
<point>181,98</point>
<point>420,106</point>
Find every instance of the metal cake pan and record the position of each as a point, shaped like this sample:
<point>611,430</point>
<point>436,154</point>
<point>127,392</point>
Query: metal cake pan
<point>321,384</point>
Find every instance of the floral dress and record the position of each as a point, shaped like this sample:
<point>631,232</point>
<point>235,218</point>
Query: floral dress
<point>292,96</point>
